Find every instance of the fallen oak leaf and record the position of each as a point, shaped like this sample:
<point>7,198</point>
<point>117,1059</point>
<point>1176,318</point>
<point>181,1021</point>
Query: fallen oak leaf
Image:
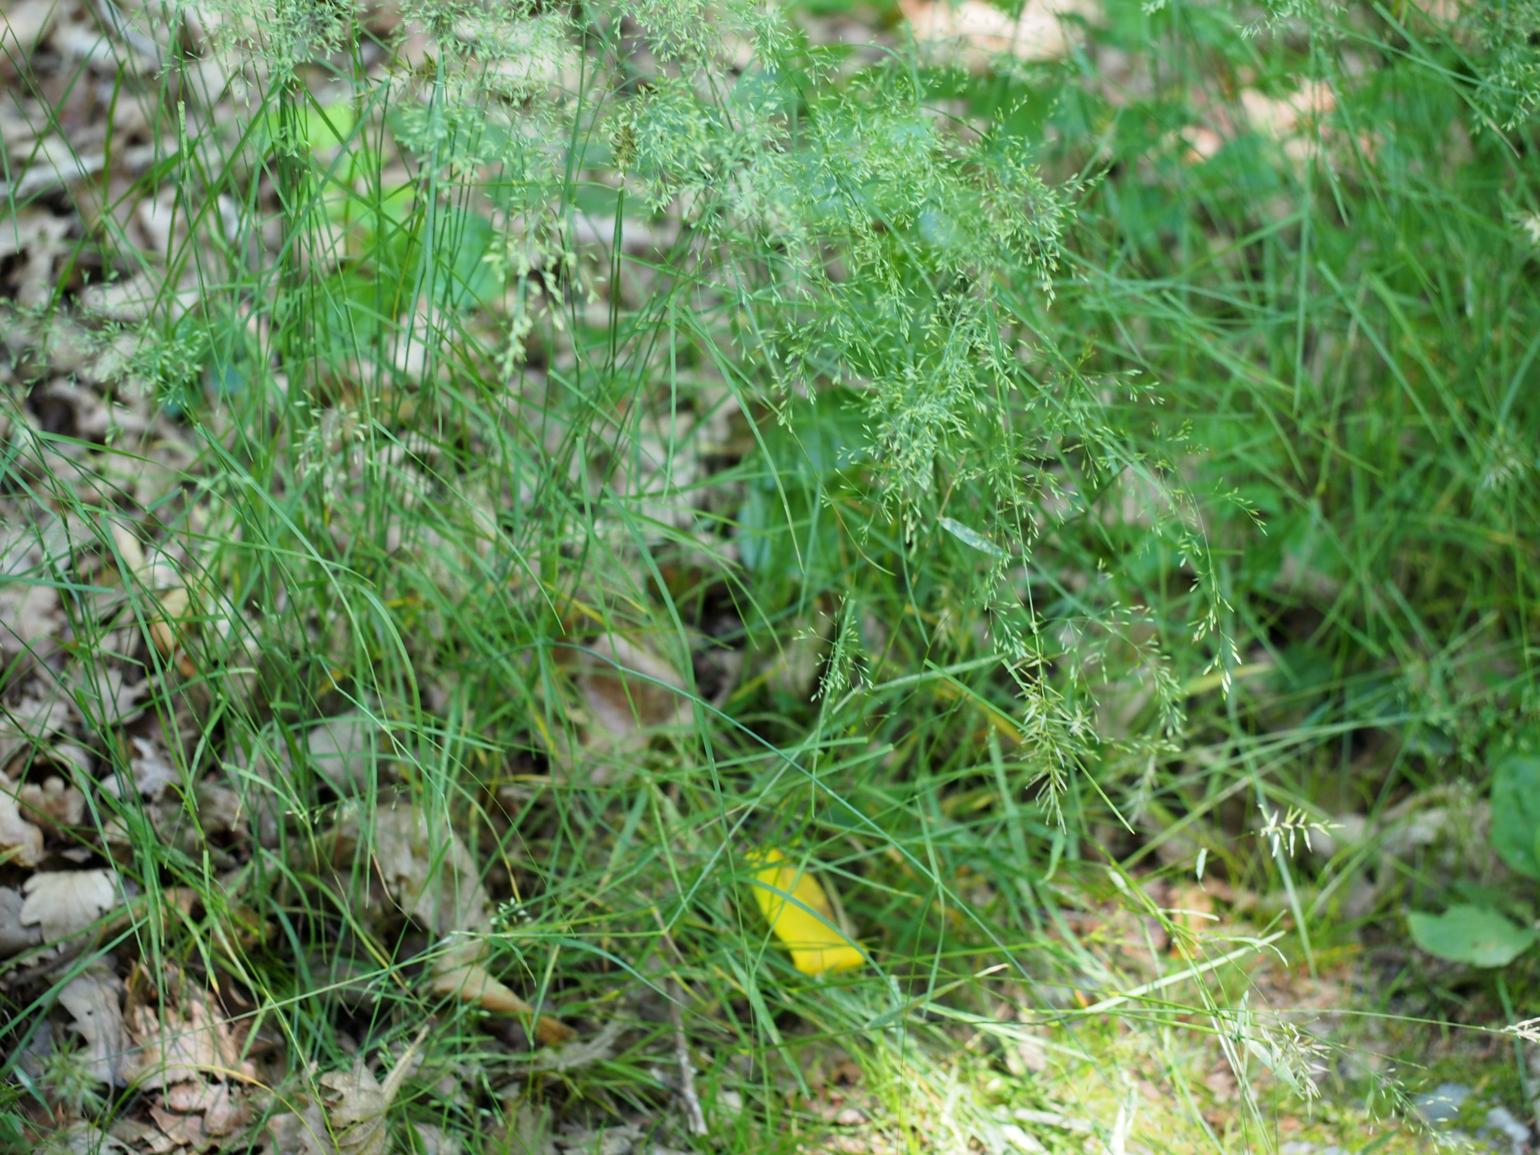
<point>429,872</point>
<point>346,749</point>
<point>169,624</point>
<point>152,772</point>
<point>200,1115</point>
<point>629,694</point>
<point>56,801</point>
<point>26,23</point>
<point>169,628</point>
<point>61,903</point>
<point>86,1137</point>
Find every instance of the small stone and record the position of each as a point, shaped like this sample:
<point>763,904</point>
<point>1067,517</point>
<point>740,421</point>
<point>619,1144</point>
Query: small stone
<point>1442,1104</point>
<point>1507,1132</point>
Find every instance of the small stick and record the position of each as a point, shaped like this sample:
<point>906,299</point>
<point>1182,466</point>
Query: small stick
<point>692,1109</point>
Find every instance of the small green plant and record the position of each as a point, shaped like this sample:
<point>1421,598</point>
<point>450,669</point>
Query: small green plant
<point>1484,932</point>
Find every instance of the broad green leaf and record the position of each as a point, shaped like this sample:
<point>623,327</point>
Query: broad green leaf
<point>454,267</point>
<point>316,128</point>
<point>800,914</point>
<point>1516,812</point>
<point>1475,935</point>
<point>328,126</point>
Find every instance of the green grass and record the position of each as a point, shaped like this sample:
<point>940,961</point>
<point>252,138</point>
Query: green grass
<point>607,451</point>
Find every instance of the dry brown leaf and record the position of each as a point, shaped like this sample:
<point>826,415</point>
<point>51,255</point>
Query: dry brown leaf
<point>219,808</point>
<point>428,871</point>
<point>436,1141</point>
<point>981,32</point>
<point>424,866</point>
<point>459,972</point>
<point>56,800</point>
<point>629,692</point>
<point>111,688</point>
<point>219,1103</point>
<point>35,715</point>
<point>1190,907</point>
<point>186,1042</point>
<point>1297,120</point>
<point>30,612</point>
<point>170,623</point>
<point>14,937</point>
<point>1285,116</point>
<point>187,1055</point>
<point>94,1000</point>
<point>152,772</point>
<point>35,277</point>
<point>84,1139</point>
<point>129,300</point>
<point>344,749</point>
<point>21,843</point>
<point>358,1105</point>
<point>624,1139</point>
<point>62,903</point>
<point>200,1115</point>
<point>168,629</point>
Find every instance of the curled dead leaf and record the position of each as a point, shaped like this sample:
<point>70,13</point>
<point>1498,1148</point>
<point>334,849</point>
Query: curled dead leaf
<point>198,1116</point>
<point>1289,114</point>
<point>168,629</point>
<point>14,937</point>
<point>179,1035</point>
<point>345,749</point>
<point>152,771</point>
<point>428,871</point>
<point>460,972</point>
<point>21,842</point>
<point>26,22</point>
<point>94,1001</point>
<point>33,720</point>
<point>358,1105</point>
<point>629,693</point>
<point>55,800</point>
<point>171,620</point>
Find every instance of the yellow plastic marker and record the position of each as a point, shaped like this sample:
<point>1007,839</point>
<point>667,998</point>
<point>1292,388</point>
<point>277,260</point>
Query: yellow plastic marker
<point>800,914</point>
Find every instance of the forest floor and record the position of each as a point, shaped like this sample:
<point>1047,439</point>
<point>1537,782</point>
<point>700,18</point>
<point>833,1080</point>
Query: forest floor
<point>858,578</point>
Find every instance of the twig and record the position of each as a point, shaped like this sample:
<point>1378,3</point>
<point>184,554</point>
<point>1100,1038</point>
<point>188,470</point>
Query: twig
<point>692,1109</point>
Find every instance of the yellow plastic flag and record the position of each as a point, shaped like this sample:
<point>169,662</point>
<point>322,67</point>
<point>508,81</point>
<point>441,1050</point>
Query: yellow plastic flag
<point>800,914</point>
